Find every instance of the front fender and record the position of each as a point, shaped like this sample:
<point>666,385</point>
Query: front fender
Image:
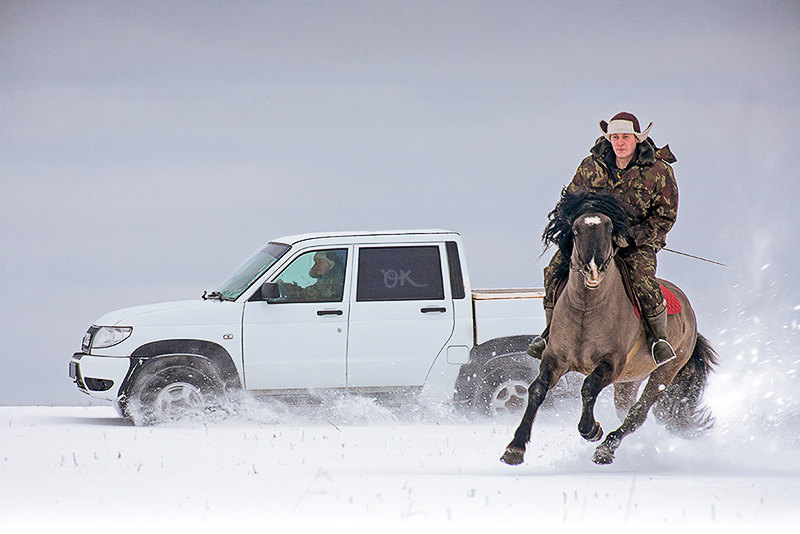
<point>212,352</point>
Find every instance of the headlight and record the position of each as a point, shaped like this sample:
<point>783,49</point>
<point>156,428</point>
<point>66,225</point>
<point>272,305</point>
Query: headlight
<point>108,336</point>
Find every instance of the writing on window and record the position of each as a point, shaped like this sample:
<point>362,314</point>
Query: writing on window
<point>399,273</point>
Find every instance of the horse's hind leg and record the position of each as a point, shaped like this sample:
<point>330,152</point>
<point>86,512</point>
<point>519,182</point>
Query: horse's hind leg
<point>594,383</point>
<point>624,397</point>
<point>515,451</point>
<point>604,454</point>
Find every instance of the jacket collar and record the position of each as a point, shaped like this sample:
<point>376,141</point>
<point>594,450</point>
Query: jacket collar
<point>646,152</point>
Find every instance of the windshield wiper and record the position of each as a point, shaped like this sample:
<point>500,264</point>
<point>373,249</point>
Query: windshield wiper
<point>214,295</point>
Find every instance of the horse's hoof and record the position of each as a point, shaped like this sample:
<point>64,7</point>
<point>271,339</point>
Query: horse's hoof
<point>603,456</point>
<point>593,435</point>
<point>513,456</point>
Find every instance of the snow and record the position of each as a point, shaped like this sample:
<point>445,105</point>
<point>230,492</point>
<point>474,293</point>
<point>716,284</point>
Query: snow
<point>354,462</point>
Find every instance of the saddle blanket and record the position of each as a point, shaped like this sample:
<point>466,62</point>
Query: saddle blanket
<point>673,304</point>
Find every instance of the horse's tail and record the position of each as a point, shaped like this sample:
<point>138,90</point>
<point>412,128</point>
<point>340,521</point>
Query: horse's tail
<point>680,408</point>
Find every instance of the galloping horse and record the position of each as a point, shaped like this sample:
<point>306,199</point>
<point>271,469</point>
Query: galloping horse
<point>595,331</point>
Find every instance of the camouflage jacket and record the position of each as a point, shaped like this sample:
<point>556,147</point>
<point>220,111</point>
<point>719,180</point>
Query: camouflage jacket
<point>328,288</point>
<point>647,185</point>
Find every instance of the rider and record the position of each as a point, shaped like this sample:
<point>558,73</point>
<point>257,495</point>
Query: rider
<point>626,162</point>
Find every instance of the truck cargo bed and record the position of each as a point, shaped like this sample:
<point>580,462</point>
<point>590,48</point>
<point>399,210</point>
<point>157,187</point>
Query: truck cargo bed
<point>507,312</point>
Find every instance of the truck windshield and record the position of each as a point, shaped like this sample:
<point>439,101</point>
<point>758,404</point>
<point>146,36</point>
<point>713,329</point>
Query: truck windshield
<point>252,270</point>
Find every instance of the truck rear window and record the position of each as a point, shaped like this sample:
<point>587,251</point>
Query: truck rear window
<point>399,273</point>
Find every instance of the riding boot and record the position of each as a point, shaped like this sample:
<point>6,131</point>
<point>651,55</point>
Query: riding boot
<point>661,350</point>
<point>539,343</point>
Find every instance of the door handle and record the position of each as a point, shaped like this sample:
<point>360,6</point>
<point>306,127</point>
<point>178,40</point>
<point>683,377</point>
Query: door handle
<point>329,312</point>
<point>433,310</point>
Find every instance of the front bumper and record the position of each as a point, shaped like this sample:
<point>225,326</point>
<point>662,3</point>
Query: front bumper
<point>98,376</point>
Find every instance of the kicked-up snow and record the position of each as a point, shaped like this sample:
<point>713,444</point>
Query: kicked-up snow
<point>356,463</point>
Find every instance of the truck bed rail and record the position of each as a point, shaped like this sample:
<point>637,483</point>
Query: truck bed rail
<point>506,294</point>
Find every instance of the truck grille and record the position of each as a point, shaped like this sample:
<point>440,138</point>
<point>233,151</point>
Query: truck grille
<point>87,339</point>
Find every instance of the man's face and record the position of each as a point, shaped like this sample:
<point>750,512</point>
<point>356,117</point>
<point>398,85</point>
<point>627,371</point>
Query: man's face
<point>624,144</point>
<point>321,266</point>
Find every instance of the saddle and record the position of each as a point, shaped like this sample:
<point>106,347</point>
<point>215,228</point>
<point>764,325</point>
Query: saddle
<point>673,304</point>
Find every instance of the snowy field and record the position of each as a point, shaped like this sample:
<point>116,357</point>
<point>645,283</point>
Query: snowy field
<point>353,462</point>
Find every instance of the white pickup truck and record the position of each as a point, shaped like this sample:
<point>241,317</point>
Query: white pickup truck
<point>365,312</point>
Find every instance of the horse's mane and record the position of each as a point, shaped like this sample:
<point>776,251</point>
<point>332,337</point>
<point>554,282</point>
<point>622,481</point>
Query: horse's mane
<point>571,206</point>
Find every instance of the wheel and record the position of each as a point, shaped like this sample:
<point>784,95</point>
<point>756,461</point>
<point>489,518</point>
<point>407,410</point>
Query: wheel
<point>169,392</point>
<point>509,397</point>
<point>504,390</point>
<point>177,399</point>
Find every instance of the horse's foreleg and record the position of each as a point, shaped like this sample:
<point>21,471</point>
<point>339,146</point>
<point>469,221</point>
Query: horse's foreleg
<point>659,379</point>
<point>515,451</point>
<point>594,383</point>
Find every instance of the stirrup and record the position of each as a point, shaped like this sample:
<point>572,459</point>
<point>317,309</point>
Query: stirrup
<point>653,352</point>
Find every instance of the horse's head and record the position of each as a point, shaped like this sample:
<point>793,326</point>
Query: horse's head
<point>585,225</point>
<point>593,247</point>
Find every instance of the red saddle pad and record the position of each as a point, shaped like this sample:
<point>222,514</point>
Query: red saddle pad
<point>673,304</point>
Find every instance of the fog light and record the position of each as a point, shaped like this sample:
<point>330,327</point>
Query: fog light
<point>98,384</point>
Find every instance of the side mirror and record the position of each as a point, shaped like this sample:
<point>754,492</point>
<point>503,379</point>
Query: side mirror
<point>270,291</point>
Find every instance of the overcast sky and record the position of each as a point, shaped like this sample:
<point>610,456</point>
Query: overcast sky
<point>149,147</point>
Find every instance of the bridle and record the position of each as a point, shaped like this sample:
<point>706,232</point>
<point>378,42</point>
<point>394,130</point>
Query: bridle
<point>600,268</point>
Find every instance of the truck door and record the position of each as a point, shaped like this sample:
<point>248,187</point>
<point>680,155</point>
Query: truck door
<point>299,341</point>
<point>401,315</point>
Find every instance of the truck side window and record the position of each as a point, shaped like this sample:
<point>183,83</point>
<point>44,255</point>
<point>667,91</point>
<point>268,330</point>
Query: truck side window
<point>316,276</point>
<point>456,277</point>
<point>399,273</point>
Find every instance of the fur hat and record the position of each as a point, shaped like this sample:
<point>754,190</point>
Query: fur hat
<point>624,123</point>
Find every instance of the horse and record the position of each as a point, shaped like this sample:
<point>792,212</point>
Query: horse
<point>595,330</point>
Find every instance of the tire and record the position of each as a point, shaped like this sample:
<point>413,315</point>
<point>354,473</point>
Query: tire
<point>504,388</point>
<point>172,390</point>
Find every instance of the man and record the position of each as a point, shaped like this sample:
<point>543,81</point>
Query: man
<point>626,162</point>
<point>329,274</point>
